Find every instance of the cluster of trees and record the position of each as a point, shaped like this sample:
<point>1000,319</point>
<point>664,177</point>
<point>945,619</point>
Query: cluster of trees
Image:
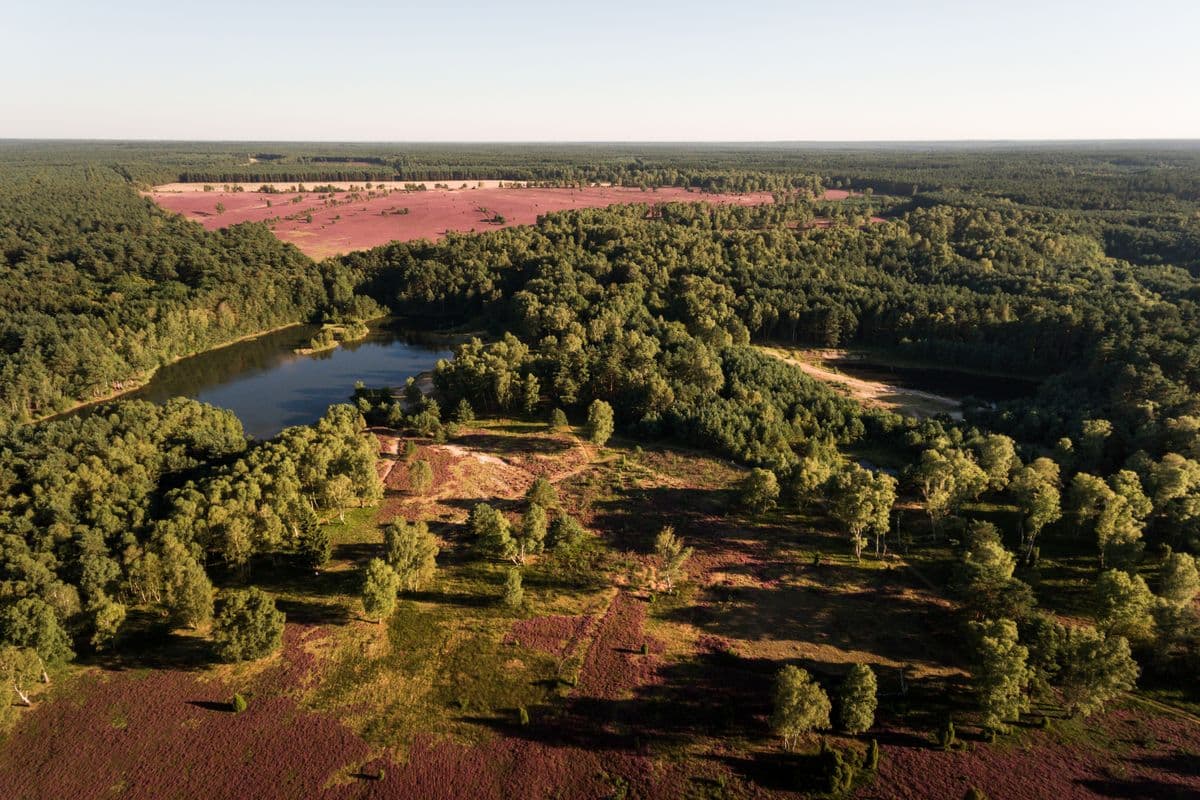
<point>130,506</point>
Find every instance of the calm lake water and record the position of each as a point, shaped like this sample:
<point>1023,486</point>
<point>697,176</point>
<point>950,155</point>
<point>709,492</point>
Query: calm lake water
<point>270,387</point>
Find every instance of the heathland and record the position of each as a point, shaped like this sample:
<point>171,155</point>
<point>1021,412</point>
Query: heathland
<point>650,531</point>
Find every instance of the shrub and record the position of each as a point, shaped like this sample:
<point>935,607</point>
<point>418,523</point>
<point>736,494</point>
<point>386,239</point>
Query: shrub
<point>759,491</point>
<point>522,715</point>
<point>599,422</point>
<point>514,593</point>
<point>558,420</point>
<point>238,704</point>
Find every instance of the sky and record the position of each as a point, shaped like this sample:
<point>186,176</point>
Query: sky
<point>611,70</point>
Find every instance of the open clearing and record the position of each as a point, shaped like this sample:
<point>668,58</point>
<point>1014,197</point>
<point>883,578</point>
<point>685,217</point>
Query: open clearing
<point>345,220</point>
<point>629,693</point>
<point>877,394</point>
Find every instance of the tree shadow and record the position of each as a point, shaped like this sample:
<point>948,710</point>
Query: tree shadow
<point>512,445</point>
<point>1138,789</point>
<point>306,612</point>
<point>212,705</point>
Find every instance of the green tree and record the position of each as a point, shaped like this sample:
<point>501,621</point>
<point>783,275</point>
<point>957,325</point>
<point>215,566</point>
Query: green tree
<point>1095,670</point>
<point>862,501</point>
<point>759,491</point>
<point>380,584</point>
<point>1036,493</point>
<point>463,413</point>
<point>19,667</point>
<point>672,556</point>
<point>514,593</point>
<point>998,459</point>
<point>107,617</point>
<point>558,420</point>
<point>801,705</point>
<point>248,626</point>
<point>492,532</point>
<point>542,493</point>
<point>1179,580</point>
<point>532,538</point>
<point>411,551</point>
<point>1123,604</point>
<point>31,623</point>
<point>1001,672</point>
<point>599,422</point>
<point>420,477</point>
<point>857,700</point>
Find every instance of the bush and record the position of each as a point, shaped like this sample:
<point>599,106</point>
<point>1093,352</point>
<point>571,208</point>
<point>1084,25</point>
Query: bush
<point>946,737</point>
<point>838,772</point>
<point>558,420</point>
<point>238,704</point>
<point>514,593</point>
<point>522,715</point>
<point>248,627</point>
<point>599,422</point>
<point>872,761</point>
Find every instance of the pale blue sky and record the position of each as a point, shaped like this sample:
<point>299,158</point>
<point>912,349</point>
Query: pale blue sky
<point>538,71</point>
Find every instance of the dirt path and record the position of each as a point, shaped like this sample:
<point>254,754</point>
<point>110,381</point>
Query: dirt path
<point>912,402</point>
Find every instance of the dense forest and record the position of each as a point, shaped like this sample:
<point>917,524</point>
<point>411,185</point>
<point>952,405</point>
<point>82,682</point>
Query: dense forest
<point>1077,267</point>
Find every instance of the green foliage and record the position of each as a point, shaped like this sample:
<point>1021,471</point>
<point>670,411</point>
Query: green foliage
<point>1179,580</point>
<point>542,493</point>
<point>420,477</point>
<point>838,771</point>
<point>247,627</point>
<point>315,547</point>
<point>532,535</point>
<point>492,532</point>
<point>31,623</point>
<point>871,762</point>
<point>411,552</point>
<point>759,491</point>
<point>238,704</point>
<point>672,555</point>
<point>856,699</point>
<point>463,413</point>
<point>599,422</point>
<point>1001,672</point>
<point>862,500</point>
<point>1123,605</point>
<point>514,592</point>
<point>558,420</point>
<point>380,584</point>
<point>800,705</point>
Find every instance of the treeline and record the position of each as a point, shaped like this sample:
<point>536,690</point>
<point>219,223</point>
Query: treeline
<point>98,287</point>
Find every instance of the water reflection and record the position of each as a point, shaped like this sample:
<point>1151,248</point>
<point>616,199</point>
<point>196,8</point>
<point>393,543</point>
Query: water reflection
<point>270,387</point>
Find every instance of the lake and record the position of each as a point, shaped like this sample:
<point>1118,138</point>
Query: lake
<point>270,387</point>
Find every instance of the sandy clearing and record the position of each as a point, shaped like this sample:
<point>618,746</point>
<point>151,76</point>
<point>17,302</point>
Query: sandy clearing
<point>912,402</point>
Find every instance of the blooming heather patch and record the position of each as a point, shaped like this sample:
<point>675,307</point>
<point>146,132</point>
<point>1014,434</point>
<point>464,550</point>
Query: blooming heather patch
<point>614,664</point>
<point>170,735</point>
<point>1148,757</point>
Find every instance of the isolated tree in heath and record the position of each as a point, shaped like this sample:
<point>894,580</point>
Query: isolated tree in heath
<point>380,584</point>
<point>420,477</point>
<point>599,422</point>
<point>463,413</point>
<point>857,699</point>
<point>411,551</point>
<point>672,555</point>
<point>248,626</point>
<point>558,420</point>
<point>542,493</point>
<point>801,705</point>
<point>759,491</point>
<point>514,592</point>
<point>1001,672</point>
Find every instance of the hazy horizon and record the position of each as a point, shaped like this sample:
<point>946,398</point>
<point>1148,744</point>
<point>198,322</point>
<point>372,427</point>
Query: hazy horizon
<point>538,72</point>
